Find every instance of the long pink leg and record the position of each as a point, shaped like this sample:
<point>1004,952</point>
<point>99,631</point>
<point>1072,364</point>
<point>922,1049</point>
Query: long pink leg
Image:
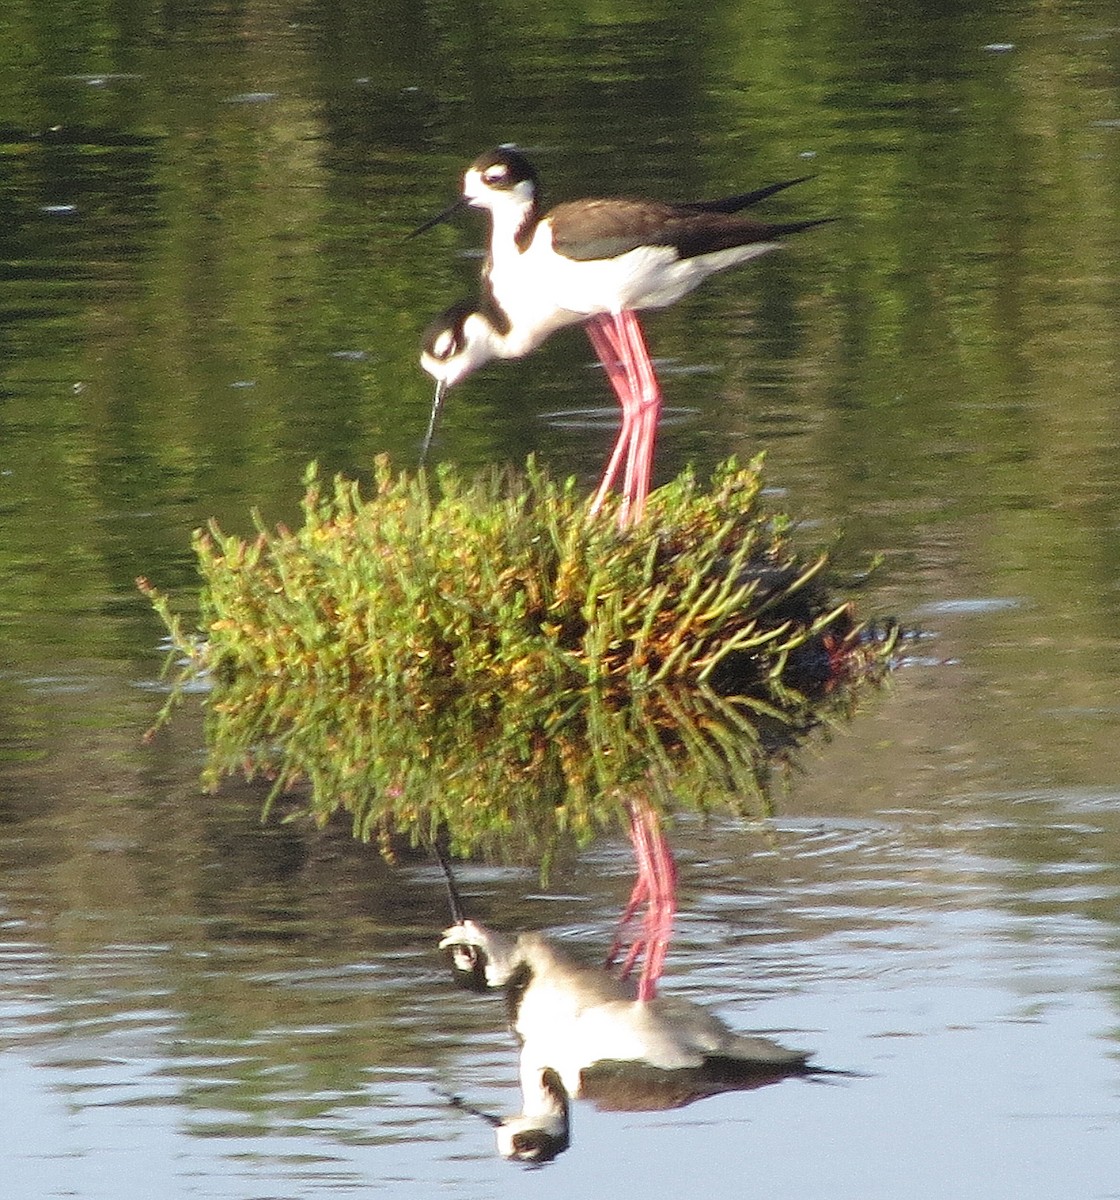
<point>618,341</point>
<point>655,887</point>
<point>640,895</point>
<point>603,337</point>
<point>646,400</point>
<point>605,342</point>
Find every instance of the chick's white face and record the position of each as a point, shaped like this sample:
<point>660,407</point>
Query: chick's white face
<point>455,352</point>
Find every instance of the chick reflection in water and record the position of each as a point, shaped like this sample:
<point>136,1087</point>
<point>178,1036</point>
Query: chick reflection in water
<point>584,1034</point>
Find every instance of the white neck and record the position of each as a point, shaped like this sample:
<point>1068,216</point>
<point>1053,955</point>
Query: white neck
<point>509,210</point>
<point>507,220</point>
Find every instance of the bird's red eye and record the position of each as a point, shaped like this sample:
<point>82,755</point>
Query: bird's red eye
<point>495,174</point>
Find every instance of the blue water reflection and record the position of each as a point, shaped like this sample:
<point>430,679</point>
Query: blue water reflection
<point>258,1061</point>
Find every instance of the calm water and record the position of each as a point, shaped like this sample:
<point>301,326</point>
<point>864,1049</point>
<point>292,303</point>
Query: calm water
<point>204,283</point>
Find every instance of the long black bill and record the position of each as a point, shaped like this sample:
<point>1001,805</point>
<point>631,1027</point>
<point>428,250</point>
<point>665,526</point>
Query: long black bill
<point>439,218</point>
<point>459,1103</point>
<point>467,964</point>
<point>457,914</point>
<point>437,404</point>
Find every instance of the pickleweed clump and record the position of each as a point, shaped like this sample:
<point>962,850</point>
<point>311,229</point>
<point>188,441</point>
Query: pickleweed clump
<point>483,658</point>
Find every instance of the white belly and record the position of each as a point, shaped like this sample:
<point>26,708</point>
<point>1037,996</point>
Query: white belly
<point>647,277</point>
<point>533,318</point>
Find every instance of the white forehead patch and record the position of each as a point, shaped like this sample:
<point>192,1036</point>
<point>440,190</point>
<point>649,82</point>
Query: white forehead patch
<point>445,344</point>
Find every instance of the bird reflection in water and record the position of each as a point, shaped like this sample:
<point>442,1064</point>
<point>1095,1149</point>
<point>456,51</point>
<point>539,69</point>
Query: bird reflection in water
<point>584,1034</point>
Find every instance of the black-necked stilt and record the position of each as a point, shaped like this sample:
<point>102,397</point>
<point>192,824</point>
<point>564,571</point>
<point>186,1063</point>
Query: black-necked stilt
<point>470,334</point>
<point>598,261</point>
<point>571,1019</point>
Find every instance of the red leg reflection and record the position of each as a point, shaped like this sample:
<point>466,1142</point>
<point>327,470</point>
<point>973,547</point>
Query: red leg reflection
<point>655,891</point>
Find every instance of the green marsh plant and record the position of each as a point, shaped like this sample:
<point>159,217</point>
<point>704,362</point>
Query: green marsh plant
<point>482,660</point>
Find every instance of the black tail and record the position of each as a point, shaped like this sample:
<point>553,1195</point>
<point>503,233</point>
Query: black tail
<point>781,229</point>
<point>722,232</point>
<point>734,204</point>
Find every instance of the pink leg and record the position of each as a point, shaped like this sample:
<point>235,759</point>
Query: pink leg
<point>660,912</point>
<point>646,399</point>
<point>604,340</point>
<point>602,335</point>
<point>655,888</point>
<point>618,341</point>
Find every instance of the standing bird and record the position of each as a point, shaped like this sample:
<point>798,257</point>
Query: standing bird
<point>595,261</point>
